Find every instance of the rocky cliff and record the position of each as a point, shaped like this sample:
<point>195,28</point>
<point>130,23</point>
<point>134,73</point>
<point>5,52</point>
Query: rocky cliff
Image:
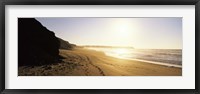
<point>36,44</point>
<point>65,44</point>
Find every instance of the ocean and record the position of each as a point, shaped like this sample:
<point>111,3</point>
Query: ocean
<point>168,57</point>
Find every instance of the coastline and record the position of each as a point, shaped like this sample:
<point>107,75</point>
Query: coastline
<point>153,62</point>
<point>146,61</point>
<point>85,62</point>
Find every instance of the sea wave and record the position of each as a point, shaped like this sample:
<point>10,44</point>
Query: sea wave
<point>169,57</point>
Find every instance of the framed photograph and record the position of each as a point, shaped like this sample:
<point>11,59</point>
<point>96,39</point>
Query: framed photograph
<point>122,47</point>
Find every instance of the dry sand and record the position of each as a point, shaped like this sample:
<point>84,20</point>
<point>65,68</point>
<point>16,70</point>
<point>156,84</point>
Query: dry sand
<point>83,62</point>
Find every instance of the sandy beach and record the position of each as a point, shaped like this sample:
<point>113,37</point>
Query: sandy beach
<point>84,62</point>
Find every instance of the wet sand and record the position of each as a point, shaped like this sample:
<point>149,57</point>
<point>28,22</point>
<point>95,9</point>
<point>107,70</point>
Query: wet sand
<point>84,62</point>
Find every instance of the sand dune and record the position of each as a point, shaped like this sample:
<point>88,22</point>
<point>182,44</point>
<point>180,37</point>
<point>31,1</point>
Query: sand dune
<point>83,62</point>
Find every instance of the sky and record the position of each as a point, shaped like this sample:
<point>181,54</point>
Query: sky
<point>144,33</point>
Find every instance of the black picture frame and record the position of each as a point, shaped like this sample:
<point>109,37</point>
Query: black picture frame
<point>3,3</point>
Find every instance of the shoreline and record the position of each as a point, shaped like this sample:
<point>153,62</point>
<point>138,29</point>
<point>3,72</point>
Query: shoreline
<point>151,62</point>
<point>146,61</point>
<point>85,62</point>
<point>159,63</point>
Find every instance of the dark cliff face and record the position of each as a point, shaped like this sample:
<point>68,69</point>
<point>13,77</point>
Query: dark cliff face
<point>36,44</point>
<point>65,44</point>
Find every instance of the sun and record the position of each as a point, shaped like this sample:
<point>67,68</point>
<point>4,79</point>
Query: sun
<point>123,32</point>
<point>123,29</point>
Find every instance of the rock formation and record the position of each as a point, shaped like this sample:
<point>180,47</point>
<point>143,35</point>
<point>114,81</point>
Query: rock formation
<point>65,44</point>
<point>36,44</point>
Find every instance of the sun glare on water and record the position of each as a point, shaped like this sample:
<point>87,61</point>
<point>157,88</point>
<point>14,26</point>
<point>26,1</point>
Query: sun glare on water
<point>121,51</point>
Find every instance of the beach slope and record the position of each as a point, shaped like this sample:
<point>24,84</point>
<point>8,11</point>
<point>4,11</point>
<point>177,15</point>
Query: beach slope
<point>84,62</point>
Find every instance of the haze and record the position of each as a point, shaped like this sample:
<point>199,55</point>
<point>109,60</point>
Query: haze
<point>145,33</point>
